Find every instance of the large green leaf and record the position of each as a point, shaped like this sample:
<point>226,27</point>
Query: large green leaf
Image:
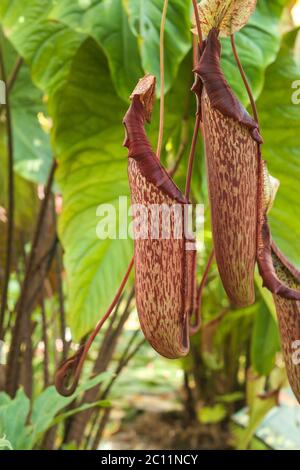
<point>265,341</point>
<point>22,13</point>
<point>258,407</point>
<point>13,415</point>
<point>46,46</point>
<point>123,28</point>
<point>32,153</point>
<point>280,123</point>
<point>49,403</point>
<point>145,19</point>
<point>88,136</point>
<point>108,23</point>
<point>258,44</point>
<point>37,41</point>
<point>23,430</point>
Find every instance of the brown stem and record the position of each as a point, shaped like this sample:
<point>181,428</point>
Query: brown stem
<point>198,22</point>
<point>244,78</point>
<point>27,357</point>
<point>44,270</point>
<point>196,54</point>
<point>195,327</point>
<point>124,360</point>
<point>14,74</point>
<point>13,358</point>
<point>184,138</point>
<point>162,79</point>
<point>192,156</point>
<point>72,367</point>
<point>76,429</point>
<point>216,320</point>
<point>62,316</point>
<point>195,51</point>
<point>11,200</point>
<point>43,259</point>
<point>189,402</point>
<point>182,147</point>
<point>100,428</point>
<point>45,341</point>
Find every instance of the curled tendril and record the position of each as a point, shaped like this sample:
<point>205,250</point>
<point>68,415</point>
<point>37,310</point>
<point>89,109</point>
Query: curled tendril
<point>70,368</point>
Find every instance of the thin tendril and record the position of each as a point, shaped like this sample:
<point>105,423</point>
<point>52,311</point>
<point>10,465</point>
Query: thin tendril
<point>195,327</point>
<point>198,22</point>
<point>195,51</point>
<point>192,156</point>
<point>244,78</point>
<point>75,363</point>
<point>198,114</point>
<point>162,80</point>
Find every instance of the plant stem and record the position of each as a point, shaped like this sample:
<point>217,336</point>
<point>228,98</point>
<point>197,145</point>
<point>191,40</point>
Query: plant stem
<point>198,113</point>
<point>198,23</point>
<point>100,428</point>
<point>125,358</point>
<point>77,426</point>
<point>194,328</point>
<point>123,361</point>
<point>14,74</point>
<point>244,78</point>
<point>162,80</point>
<point>45,341</point>
<point>13,358</point>
<point>192,156</point>
<point>11,201</point>
<point>74,365</point>
<point>62,316</point>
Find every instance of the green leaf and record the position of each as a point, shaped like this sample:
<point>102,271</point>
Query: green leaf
<point>47,46</point>
<point>49,403</point>
<point>87,139</point>
<point>88,136</point>
<point>38,42</point>
<point>212,414</point>
<point>258,44</point>
<point>107,22</point>
<point>13,418</point>
<point>32,153</point>
<point>5,444</point>
<point>15,13</point>
<point>145,19</point>
<point>14,413</point>
<point>80,409</point>
<point>265,341</point>
<point>128,31</point>
<point>280,123</point>
<point>259,407</point>
<point>31,144</point>
<point>231,397</point>
<point>266,295</point>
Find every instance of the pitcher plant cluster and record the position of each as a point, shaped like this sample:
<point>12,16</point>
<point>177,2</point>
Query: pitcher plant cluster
<point>241,195</point>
